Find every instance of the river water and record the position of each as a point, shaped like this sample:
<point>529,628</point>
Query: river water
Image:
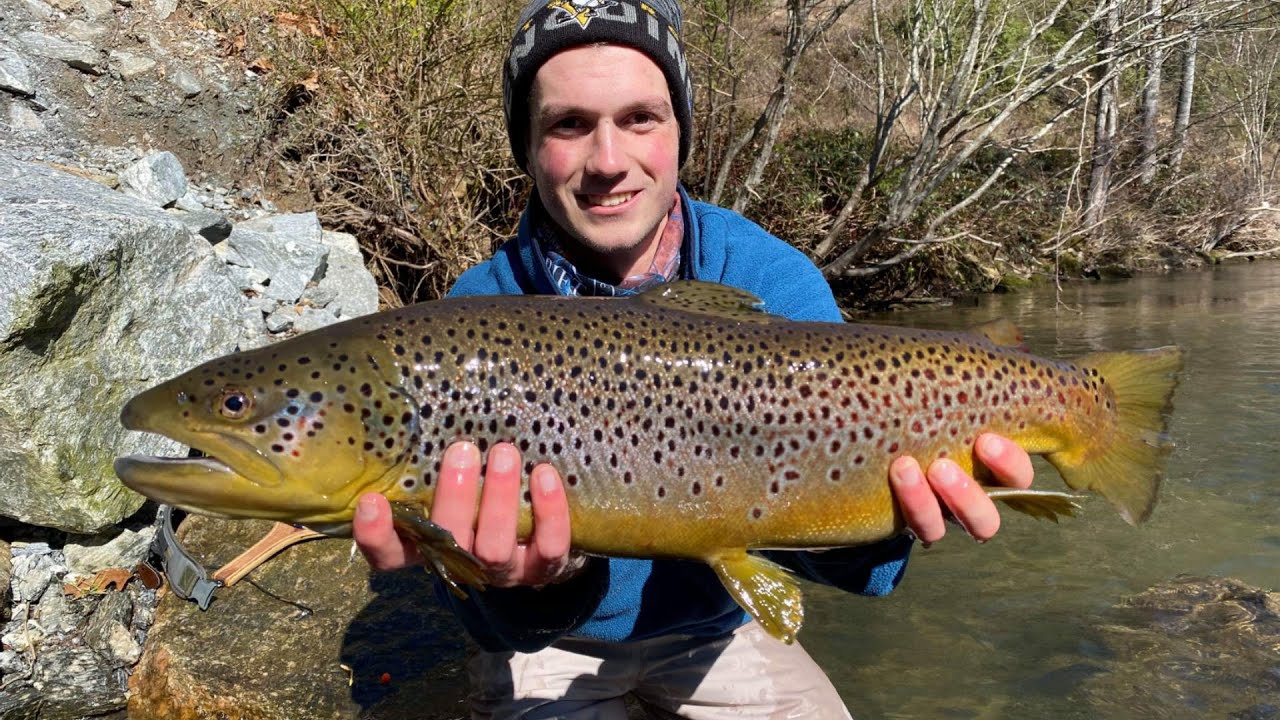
<point>1024,626</point>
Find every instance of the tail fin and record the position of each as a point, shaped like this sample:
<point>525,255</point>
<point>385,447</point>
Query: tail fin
<point>1129,471</point>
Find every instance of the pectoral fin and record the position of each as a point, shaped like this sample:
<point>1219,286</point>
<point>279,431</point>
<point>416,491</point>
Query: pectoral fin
<point>447,559</point>
<point>764,589</point>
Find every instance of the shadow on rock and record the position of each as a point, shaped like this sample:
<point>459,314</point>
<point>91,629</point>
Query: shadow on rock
<point>405,652</point>
<point>281,646</point>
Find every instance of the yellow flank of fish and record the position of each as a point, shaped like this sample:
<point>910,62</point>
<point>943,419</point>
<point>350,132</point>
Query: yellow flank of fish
<point>685,423</point>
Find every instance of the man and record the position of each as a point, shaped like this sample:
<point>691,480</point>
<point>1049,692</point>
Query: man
<point>598,106</point>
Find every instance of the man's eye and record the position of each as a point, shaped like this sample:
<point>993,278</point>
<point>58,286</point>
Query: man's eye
<point>569,123</point>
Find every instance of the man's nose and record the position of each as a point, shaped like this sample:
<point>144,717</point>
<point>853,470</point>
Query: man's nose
<point>607,157</point>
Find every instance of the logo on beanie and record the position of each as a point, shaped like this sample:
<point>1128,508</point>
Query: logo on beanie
<point>579,11</point>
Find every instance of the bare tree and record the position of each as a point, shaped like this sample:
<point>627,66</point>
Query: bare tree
<point>1151,91</point>
<point>968,77</point>
<point>1105,118</point>
<point>1186,90</point>
<point>967,88</point>
<point>1248,71</point>
<point>801,32</point>
<point>716,47</point>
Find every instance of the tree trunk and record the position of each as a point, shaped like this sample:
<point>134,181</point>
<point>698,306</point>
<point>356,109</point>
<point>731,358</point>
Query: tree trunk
<point>1104,122</point>
<point>1182,122</point>
<point>1151,91</point>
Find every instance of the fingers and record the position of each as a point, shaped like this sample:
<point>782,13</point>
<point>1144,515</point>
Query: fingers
<point>547,555</point>
<point>376,536</point>
<point>922,496</point>
<point>454,505</point>
<point>1010,464</point>
<point>497,518</point>
<point>483,517</point>
<point>919,506</point>
<point>965,498</point>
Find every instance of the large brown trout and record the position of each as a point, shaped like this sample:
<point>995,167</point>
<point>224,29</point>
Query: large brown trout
<point>684,422</point>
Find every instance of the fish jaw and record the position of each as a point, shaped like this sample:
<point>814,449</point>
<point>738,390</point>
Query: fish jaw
<point>210,487</point>
<point>251,464</point>
<point>301,452</point>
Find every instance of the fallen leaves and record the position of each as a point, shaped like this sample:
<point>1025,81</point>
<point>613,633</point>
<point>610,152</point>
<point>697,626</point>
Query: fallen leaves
<point>101,582</point>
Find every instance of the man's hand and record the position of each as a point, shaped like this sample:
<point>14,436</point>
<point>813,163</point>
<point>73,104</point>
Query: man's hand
<point>487,529</point>
<point>921,495</point>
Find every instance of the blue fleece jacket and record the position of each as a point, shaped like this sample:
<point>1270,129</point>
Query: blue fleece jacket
<point>629,599</point>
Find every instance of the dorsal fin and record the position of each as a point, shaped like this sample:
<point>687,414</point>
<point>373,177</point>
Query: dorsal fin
<point>707,298</point>
<point>1002,332</point>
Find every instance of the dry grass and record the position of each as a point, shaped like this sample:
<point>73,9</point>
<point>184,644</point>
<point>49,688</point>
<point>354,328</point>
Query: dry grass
<point>391,111</point>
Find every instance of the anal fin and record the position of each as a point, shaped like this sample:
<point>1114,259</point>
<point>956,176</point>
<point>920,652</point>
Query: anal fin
<point>1041,504</point>
<point>764,589</point>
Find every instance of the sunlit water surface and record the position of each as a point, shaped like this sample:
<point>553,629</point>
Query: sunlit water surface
<point>1011,628</point>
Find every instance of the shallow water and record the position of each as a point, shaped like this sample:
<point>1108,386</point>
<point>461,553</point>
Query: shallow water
<point>1013,628</point>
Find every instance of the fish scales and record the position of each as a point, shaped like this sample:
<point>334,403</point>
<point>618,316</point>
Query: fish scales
<point>684,423</point>
<point>757,434</point>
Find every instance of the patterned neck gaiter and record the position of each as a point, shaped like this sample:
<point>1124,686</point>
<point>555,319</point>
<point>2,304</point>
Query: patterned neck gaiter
<point>570,281</point>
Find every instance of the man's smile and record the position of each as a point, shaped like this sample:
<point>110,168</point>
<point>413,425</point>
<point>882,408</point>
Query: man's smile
<point>609,200</point>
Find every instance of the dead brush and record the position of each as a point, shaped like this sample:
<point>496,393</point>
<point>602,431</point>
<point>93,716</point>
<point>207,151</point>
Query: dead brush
<point>391,112</point>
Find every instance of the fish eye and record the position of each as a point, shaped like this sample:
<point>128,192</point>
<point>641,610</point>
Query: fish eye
<point>234,404</point>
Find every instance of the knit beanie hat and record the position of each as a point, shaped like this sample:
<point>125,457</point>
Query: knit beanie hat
<point>548,26</point>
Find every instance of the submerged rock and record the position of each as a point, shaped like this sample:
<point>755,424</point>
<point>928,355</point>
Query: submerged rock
<point>1191,647</point>
<point>252,655</point>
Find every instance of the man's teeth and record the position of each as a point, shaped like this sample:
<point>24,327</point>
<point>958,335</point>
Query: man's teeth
<point>609,200</point>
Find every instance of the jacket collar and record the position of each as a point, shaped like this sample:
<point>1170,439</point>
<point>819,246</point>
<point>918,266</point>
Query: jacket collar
<point>535,266</point>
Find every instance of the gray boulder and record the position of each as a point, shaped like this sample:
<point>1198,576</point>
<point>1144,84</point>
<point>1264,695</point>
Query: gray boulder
<point>80,56</point>
<point>287,248</point>
<point>101,296</point>
<point>348,288</point>
<point>122,551</point>
<point>157,178</point>
<point>15,77</point>
<point>6,572</point>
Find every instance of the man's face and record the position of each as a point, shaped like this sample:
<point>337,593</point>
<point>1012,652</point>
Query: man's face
<point>604,151</point>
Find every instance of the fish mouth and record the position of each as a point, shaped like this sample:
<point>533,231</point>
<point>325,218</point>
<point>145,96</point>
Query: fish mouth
<point>198,484</point>
<point>224,453</point>
<point>223,456</point>
<point>208,486</point>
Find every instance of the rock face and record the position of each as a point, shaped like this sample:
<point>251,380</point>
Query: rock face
<point>252,656</point>
<point>101,295</point>
<point>1191,647</point>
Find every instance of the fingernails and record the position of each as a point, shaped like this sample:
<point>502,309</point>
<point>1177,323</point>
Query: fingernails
<point>945,472</point>
<point>990,446</point>
<point>904,475</point>
<point>503,459</point>
<point>462,454</point>
<point>366,508</point>
<point>544,479</point>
